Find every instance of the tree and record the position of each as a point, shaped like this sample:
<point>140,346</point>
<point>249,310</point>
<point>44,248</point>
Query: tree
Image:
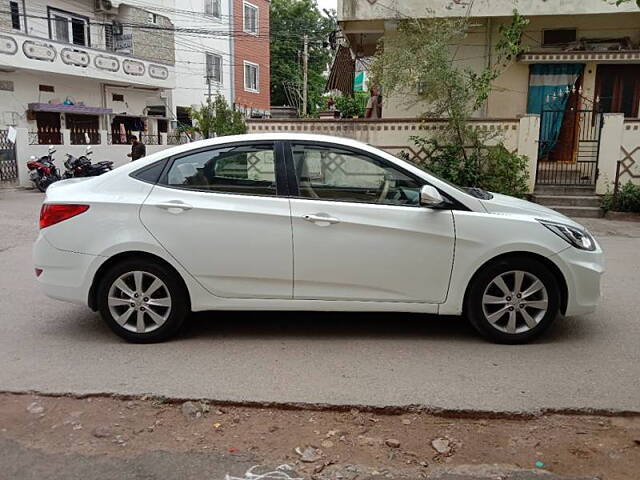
<point>215,118</point>
<point>421,57</point>
<point>290,21</point>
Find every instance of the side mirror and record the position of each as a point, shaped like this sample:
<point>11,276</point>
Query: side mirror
<point>430,197</point>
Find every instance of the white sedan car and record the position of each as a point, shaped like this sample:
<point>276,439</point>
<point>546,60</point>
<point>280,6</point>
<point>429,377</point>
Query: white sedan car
<point>306,222</point>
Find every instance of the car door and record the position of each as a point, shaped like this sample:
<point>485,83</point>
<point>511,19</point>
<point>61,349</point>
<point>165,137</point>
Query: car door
<point>359,231</point>
<point>221,212</point>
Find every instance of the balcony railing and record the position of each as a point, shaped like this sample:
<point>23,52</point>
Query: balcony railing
<point>23,51</point>
<point>85,137</point>
<point>46,136</point>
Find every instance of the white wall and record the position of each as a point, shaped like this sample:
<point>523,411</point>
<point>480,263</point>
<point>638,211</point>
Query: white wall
<point>389,9</point>
<point>78,89</point>
<point>114,153</point>
<point>191,87</point>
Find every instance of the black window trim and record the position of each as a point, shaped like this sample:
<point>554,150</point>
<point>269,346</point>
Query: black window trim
<point>282,190</point>
<point>452,203</point>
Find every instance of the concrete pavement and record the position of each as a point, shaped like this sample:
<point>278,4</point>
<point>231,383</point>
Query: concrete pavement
<point>585,363</point>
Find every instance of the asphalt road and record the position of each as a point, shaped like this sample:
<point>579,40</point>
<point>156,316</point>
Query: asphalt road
<point>589,362</point>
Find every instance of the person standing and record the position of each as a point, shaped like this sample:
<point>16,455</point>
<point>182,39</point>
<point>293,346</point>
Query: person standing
<point>138,150</point>
<point>374,105</point>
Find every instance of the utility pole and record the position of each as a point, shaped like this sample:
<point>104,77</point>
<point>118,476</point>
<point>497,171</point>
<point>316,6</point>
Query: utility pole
<point>305,74</point>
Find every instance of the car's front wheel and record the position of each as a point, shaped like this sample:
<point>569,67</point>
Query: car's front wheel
<point>513,300</point>
<point>142,301</point>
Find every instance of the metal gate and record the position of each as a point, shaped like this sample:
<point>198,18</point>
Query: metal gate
<point>8,163</point>
<point>569,156</point>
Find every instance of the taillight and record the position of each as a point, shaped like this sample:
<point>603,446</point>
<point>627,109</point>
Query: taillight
<point>50,214</point>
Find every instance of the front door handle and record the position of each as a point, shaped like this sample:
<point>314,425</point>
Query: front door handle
<point>174,206</point>
<point>321,220</point>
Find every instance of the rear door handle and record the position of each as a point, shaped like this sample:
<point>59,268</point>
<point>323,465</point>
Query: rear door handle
<point>321,219</point>
<point>174,206</point>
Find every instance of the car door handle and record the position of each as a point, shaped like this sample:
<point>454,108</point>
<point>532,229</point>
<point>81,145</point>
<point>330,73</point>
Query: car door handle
<point>321,220</point>
<point>174,204</point>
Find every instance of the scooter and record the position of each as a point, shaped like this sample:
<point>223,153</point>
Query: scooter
<point>43,171</point>
<point>82,166</point>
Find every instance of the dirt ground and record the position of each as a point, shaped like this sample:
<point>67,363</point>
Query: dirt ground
<point>344,444</point>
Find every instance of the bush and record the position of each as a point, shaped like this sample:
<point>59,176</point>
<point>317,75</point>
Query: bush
<point>627,200</point>
<point>492,168</point>
<point>350,107</point>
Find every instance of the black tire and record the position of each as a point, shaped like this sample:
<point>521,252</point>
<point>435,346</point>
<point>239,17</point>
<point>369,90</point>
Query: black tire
<point>475,310</point>
<point>41,186</point>
<point>178,294</point>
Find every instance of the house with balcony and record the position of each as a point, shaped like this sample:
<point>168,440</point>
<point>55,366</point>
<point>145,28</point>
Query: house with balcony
<point>77,72</point>
<point>573,97</point>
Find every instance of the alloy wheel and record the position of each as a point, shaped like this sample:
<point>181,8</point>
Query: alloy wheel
<point>515,302</point>
<point>139,302</point>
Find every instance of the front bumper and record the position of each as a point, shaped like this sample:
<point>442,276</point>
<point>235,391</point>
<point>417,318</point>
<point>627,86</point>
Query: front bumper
<point>65,275</point>
<point>583,272</point>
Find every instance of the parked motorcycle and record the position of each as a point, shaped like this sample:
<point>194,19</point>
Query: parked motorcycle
<point>82,167</point>
<point>43,171</point>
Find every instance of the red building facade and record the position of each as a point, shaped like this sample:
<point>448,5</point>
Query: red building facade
<point>251,54</point>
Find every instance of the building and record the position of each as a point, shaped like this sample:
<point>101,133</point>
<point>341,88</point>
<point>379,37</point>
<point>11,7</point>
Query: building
<point>77,72</point>
<point>251,57</point>
<point>600,39</point>
<point>204,55</point>
<point>581,68</point>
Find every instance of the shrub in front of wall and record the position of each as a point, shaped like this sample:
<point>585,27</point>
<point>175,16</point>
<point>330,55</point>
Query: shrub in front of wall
<point>627,200</point>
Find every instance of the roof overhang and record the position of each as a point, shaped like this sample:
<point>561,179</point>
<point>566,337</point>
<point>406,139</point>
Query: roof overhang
<point>599,56</point>
<point>62,108</point>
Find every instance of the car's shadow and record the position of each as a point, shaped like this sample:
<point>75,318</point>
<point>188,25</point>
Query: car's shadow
<point>324,325</point>
<point>250,325</point>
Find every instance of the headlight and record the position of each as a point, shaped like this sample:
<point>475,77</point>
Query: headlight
<point>575,236</point>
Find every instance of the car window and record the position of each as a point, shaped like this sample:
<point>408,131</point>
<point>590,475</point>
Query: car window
<point>245,169</point>
<point>328,173</point>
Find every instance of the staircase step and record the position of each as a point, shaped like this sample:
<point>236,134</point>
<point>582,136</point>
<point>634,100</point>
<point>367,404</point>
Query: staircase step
<point>568,200</point>
<point>564,190</point>
<point>578,212</point>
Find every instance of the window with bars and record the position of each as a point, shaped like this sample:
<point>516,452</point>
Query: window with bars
<point>250,18</point>
<point>14,8</point>
<point>212,8</point>
<point>251,77</point>
<point>214,67</point>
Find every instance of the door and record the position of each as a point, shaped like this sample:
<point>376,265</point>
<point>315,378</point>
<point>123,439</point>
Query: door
<point>618,89</point>
<point>359,231</point>
<point>218,211</point>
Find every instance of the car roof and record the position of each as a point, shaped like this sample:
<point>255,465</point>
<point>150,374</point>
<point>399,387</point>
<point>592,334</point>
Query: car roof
<point>282,136</point>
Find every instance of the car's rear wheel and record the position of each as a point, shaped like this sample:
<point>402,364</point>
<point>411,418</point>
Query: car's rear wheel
<point>142,301</point>
<point>513,300</point>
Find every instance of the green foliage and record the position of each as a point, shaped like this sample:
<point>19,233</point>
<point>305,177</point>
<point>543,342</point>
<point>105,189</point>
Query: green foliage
<point>492,168</point>
<point>350,107</point>
<point>419,58</point>
<point>627,200</point>
<point>620,2</point>
<point>216,118</point>
<point>290,21</point>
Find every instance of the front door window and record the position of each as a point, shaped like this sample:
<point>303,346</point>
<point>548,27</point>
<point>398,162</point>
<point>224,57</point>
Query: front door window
<point>328,173</point>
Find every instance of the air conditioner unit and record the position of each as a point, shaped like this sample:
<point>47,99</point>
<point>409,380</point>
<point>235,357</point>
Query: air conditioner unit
<point>104,6</point>
<point>117,28</point>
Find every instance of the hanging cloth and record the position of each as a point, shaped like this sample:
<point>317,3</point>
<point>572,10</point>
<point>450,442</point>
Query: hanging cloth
<point>549,87</point>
